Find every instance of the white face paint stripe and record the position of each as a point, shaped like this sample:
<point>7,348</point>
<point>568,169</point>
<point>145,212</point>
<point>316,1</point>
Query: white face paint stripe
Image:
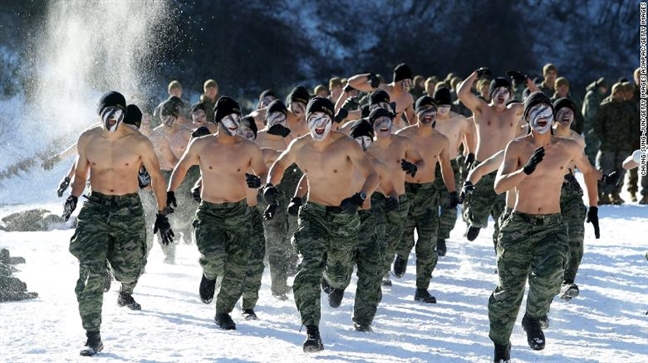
<point>541,112</point>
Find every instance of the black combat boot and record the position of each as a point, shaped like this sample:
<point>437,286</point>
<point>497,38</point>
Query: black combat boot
<point>127,300</point>
<point>224,320</point>
<point>313,342</point>
<point>400,266</point>
<point>502,353</point>
<point>535,336</point>
<point>94,344</point>
<point>207,288</point>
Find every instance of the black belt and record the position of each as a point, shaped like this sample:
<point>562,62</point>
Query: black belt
<point>334,210</point>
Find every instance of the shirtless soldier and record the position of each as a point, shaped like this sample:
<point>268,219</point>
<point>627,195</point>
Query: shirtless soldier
<point>421,191</point>
<point>328,221</point>
<point>533,241</point>
<point>110,226</point>
<point>457,129</point>
<point>221,224</point>
<point>497,124</point>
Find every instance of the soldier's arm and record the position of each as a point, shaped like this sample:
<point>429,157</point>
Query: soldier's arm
<point>413,155</point>
<point>190,158</point>
<point>469,137</point>
<point>466,97</point>
<point>590,174</point>
<point>361,82</point>
<point>81,165</point>
<point>446,168</point>
<point>409,112</point>
<point>510,174</point>
<point>364,166</point>
<point>302,187</point>
<point>257,163</point>
<point>152,165</point>
<point>287,158</point>
<point>488,166</point>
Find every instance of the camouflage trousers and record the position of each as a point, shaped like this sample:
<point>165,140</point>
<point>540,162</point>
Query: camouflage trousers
<point>448,214</point>
<point>281,254</point>
<point>393,224</point>
<point>255,265</point>
<point>109,228</point>
<point>150,210</point>
<point>368,257</point>
<point>327,239</point>
<point>223,241</point>
<point>423,215</point>
<point>533,247</point>
<point>484,202</point>
<point>573,211</point>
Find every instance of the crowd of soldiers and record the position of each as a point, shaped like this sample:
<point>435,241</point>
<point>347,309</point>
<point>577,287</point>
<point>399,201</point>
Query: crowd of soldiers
<point>320,185</point>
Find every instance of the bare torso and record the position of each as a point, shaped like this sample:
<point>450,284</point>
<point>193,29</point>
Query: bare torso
<point>453,128</point>
<point>495,128</point>
<point>429,145</point>
<point>391,155</point>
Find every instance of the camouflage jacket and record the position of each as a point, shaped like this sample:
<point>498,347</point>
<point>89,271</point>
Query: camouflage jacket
<point>616,125</point>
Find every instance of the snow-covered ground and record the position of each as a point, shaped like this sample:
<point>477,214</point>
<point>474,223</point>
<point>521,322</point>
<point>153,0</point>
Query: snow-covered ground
<point>607,322</point>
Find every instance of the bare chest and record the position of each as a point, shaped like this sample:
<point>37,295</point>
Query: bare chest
<point>324,164</point>
<point>227,159</point>
<point>118,155</point>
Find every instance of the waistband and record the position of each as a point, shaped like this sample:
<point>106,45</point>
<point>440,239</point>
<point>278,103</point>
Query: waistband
<point>96,197</point>
<point>329,209</point>
<point>230,205</point>
<point>417,186</point>
<point>539,219</point>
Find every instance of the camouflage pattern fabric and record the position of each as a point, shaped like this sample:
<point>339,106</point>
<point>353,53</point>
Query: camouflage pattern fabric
<point>483,202</point>
<point>573,211</point>
<point>184,214</point>
<point>170,249</point>
<point>150,210</point>
<point>448,215</point>
<point>616,125</point>
<point>534,247</point>
<point>255,266</point>
<point>327,240</point>
<point>633,180</point>
<point>590,107</point>
<point>109,228</point>
<point>223,241</point>
<point>423,215</point>
<point>392,225</point>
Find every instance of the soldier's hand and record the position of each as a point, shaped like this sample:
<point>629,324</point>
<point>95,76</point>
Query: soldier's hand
<point>351,103</point>
<point>351,204</point>
<point>69,207</point>
<point>279,130</point>
<point>293,206</point>
<point>470,160</point>
<point>592,217</point>
<point>517,76</point>
<point>162,225</point>
<point>466,190</point>
<point>65,183</point>
<point>534,160</point>
<point>454,199</point>
<point>143,178</point>
<point>270,193</point>
<point>348,88</point>
<point>341,115</point>
<point>408,167</point>
<point>374,81</point>
<point>483,71</point>
<point>195,193</point>
<point>614,179</point>
<point>199,132</point>
<point>171,201</point>
<point>253,181</point>
<point>270,211</point>
<point>391,204</point>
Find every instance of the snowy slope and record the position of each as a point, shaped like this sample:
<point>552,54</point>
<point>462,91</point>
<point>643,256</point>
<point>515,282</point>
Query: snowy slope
<point>605,323</point>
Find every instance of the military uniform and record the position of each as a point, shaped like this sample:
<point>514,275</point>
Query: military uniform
<point>448,215</point>
<point>109,228</point>
<point>484,201</point>
<point>573,211</point>
<point>222,235</point>
<point>327,239</point>
<point>590,107</point>
<point>423,215</point>
<point>394,224</point>
<point>529,246</point>
<point>255,265</point>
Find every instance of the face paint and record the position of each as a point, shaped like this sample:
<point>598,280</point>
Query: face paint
<point>298,109</point>
<point>427,115</point>
<point>406,84</point>
<point>246,133</point>
<point>541,118</point>
<point>501,95</point>
<point>319,125</point>
<point>199,117</point>
<point>384,105</point>
<point>168,121</point>
<point>276,118</point>
<point>112,117</point>
<point>443,110</point>
<point>382,126</point>
<point>364,141</point>
<point>266,101</point>
<point>230,124</point>
<point>565,116</point>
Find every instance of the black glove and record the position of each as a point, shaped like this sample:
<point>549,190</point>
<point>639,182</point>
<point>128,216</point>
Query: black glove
<point>470,160</point>
<point>348,88</point>
<point>270,211</point>
<point>483,71</point>
<point>143,178</point>
<point>69,207</point>
<point>195,193</point>
<point>65,183</point>
<point>374,81</point>
<point>467,189</point>
<point>351,204</point>
<point>162,225</point>
<point>534,160</point>
<point>253,181</point>
<point>351,103</point>
<point>201,131</point>
<point>613,178</point>
<point>279,130</point>
<point>171,201</point>
<point>592,217</point>
<point>293,206</point>
<point>517,76</point>
<point>408,168</point>
<point>341,115</point>
<point>270,193</point>
<point>391,204</point>
<point>454,199</point>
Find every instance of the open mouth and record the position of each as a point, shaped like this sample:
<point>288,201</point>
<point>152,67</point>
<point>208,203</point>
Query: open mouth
<point>542,123</point>
<point>501,99</point>
<point>319,131</point>
<point>112,122</point>
<point>233,129</point>
<point>384,129</point>
<point>565,120</point>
